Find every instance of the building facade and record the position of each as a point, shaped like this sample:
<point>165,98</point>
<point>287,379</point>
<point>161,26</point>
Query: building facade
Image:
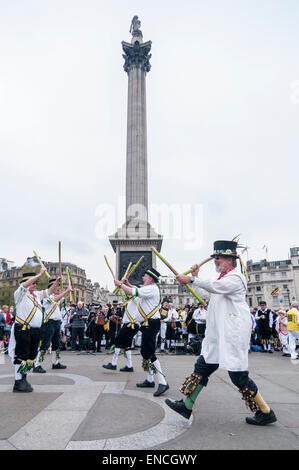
<point>275,282</point>
<point>12,275</point>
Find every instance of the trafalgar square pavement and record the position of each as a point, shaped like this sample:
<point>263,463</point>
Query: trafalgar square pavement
<point>86,407</point>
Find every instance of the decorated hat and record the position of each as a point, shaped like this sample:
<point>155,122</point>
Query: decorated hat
<point>96,306</point>
<point>27,276</point>
<point>153,273</point>
<point>51,282</point>
<point>225,248</point>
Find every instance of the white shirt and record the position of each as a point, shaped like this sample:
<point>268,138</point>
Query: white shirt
<point>49,305</point>
<point>228,326</point>
<point>25,302</point>
<point>148,298</point>
<point>172,314</point>
<point>200,315</point>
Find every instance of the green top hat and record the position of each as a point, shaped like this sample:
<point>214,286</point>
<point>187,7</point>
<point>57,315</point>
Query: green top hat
<point>225,248</point>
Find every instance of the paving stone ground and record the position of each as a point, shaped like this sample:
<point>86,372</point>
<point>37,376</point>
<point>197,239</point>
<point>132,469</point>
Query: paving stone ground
<point>86,407</point>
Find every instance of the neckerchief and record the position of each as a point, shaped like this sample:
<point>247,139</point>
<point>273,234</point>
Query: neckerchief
<point>225,272</point>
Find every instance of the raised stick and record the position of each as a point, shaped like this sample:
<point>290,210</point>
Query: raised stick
<point>176,273</point>
<point>200,264</point>
<point>41,263</point>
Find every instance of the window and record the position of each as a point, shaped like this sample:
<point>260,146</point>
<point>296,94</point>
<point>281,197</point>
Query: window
<point>285,286</point>
<point>257,277</point>
<point>284,274</point>
<point>275,302</point>
<point>258,288</point>
<point>273,274</point>
<point>259,299</point>
<point>249,289</point>
<point>250,301</point>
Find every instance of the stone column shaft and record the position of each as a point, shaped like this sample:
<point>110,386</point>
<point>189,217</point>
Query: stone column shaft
<point>136,170</point>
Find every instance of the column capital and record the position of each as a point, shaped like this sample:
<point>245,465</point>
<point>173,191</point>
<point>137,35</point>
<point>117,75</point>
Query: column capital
<point>137,55</point>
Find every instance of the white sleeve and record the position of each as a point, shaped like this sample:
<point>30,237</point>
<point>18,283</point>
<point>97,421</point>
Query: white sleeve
<point>226,285</point>
<point>19,293</point>
<point>145,292</point>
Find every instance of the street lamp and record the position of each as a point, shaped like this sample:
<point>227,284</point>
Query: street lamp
<point>288,294</point>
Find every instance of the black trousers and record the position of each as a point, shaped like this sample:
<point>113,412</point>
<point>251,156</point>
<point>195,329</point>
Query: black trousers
<point>50,334</point>
<point>27,342</point>
<point>238,378</point>
<point>100,332</point>
<point>80,333</point>
<point>148,339</point>
<point>125,336</point>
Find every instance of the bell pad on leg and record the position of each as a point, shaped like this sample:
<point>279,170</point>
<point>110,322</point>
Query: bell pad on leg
<point>190,383</point>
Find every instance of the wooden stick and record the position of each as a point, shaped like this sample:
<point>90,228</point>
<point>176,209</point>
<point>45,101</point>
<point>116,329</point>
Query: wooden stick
<point>59,261</point>
<point>41,263</point>
<point>133,268</point>
<point>200,264</point>
<point>113,275</point>
<point>176,273</point>
<point>109,267</point>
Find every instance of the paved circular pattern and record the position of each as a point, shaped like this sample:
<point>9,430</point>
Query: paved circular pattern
<point>63,417</point>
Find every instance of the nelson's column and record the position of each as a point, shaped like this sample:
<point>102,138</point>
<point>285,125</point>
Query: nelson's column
<point>135,237</point>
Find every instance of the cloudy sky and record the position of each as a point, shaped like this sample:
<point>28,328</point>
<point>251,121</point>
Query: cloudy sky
<point>222,111</point>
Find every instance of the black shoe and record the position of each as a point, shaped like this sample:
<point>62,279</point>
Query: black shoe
<point>163,351</point>
<point>58,366</point>
<point>39,370</point>
<point>99,351</point>
<point>161,389</point>
<point>146,384</point>
<point>261,419</point>
<point>286,355</point>
<point>22,386</point>
<point>127,369</point>
<point>109,366</point>
<point>270,351</point>
<point>179,407</point>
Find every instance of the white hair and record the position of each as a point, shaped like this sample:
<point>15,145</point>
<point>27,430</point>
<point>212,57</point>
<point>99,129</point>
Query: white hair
<point>295,304</point>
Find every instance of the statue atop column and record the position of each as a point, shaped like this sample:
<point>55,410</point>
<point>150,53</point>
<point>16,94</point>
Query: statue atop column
<point>135,27</point>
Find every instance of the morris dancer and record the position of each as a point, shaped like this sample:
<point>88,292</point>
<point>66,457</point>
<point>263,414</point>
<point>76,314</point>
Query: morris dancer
<point>145,308</point>
<point>227,335</point>
<point>50,330</point>
<point>25,332</point>
<point>123,340</point>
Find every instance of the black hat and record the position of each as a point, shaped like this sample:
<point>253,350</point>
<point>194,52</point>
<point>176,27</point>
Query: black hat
<point>165,300</point>
<point>27,276</point>
<point>225,248</point>
<point>51,282</point>
<point>73,305</point>
<point>96,306</point>
<point>153,273</point>
<point>263,302</point>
